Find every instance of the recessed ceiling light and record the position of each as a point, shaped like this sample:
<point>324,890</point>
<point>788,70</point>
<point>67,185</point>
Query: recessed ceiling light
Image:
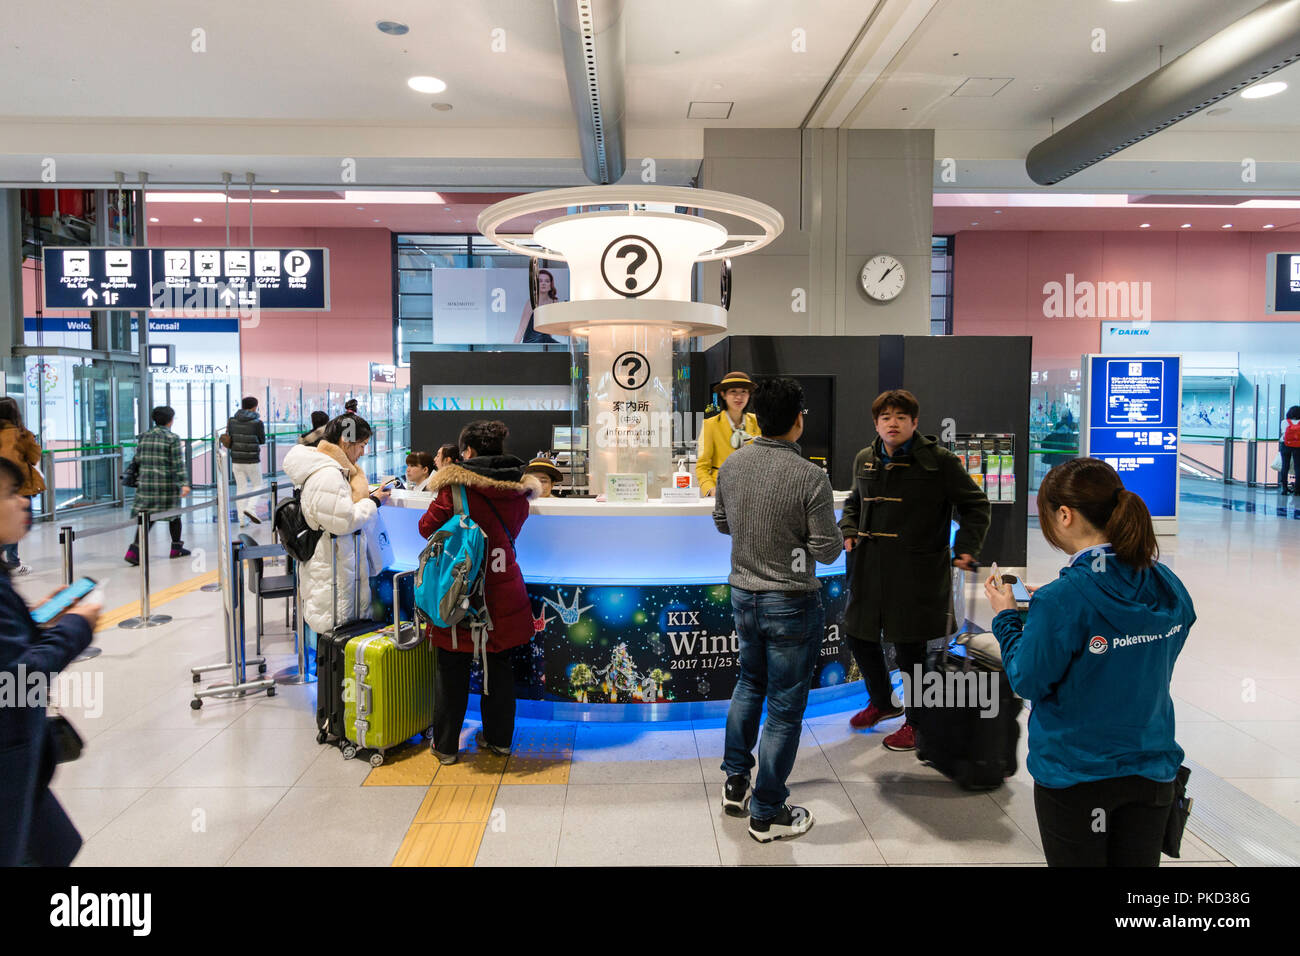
<point>275,190</point>
<point>374,220</point>
<point>1227,225</point>
<point>1268,225</point>
<point>361,209</point>
<point>974,223</point>
<point>197,219</point>
<point>1261,90</point>
<point>1186,225</point>
<point>441,107</point>
<point>393,28</point>
<point>426,84</point>
<point>1145,225</point>
<point>997,212</point>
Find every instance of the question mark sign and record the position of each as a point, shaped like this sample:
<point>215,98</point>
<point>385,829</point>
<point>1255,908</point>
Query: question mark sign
<point>635,362</point>
<point>639,256</point>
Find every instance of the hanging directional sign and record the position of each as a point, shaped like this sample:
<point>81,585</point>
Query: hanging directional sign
<point>96,277</point>
<point>93,277</point>
<point>286,279</point>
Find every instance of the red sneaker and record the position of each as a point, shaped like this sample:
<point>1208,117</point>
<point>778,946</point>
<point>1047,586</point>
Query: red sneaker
<point>872,716</point>
<point>904,738</point>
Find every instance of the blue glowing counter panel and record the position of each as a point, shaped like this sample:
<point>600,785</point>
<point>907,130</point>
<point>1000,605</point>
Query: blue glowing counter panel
<point>631,606</point>
<point>668,545</point>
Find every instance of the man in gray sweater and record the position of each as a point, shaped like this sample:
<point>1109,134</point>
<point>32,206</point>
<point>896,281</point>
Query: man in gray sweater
<point>778,509</point>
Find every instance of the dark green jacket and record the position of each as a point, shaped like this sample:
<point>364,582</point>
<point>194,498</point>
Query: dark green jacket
<point>162,471</point>
<point>901,577</point>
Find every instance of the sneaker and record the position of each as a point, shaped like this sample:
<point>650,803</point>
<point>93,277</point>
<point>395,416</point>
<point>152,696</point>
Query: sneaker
<point>735,795</point>
<point>133,556</point>
<point>179,551</point>
<point>873,715</point>
<point>788,822</point>
<point>445,759</point>
<point>484,745</point>
<point>902,739</point>
<point>251,517</point>
<point>20,570</point>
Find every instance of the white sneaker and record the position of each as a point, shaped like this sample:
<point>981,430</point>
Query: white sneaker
<point>21,570</point>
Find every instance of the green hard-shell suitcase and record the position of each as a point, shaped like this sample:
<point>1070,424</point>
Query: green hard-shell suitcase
<point>391,697</point>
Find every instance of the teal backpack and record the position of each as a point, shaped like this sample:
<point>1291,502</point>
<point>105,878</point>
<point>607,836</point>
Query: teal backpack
<point>449,578</point>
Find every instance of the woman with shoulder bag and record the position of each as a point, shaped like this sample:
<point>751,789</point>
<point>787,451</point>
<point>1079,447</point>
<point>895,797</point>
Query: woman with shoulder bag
<point>336,499</point>
<point>1095,655</point>
<point>34,829</point>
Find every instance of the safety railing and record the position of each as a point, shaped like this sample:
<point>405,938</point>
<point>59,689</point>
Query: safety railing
<point>86,477</point>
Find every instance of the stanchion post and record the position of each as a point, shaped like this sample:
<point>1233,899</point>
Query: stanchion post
<point>145,619</point>
<point>66,534</point>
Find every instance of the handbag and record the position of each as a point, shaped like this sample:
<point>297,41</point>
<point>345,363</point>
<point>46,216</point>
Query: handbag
<point>131,475</point>
<point>65,743</point>
<point>1179,811</point>
<point>225,440</point>
<point>1276,463</point>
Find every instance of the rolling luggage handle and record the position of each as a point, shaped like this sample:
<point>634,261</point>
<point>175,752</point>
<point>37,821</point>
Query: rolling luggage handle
<point>397,616</point>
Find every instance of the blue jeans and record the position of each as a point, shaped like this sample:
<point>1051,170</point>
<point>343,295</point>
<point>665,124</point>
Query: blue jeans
<point>780,635</point>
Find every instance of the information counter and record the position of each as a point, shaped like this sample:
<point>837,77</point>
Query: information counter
<point>631,608</point>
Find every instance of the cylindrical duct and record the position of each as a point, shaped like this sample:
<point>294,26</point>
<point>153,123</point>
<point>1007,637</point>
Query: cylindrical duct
<point>1260,43</point>
<point>594,45</point>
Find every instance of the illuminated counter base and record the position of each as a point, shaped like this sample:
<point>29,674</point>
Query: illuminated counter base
<point>632,609</point>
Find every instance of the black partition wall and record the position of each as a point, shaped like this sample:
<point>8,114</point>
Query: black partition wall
<point>435,375</point>
<point>981,383</point>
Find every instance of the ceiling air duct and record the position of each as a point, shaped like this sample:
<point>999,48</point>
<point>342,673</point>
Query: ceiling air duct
<point>1260,43</point>
<point>594,45</point>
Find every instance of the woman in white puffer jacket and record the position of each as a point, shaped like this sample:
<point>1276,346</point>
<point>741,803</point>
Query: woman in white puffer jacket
<point>336,499</point>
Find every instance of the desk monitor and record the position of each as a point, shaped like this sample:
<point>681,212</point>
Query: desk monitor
<point>564,438</point>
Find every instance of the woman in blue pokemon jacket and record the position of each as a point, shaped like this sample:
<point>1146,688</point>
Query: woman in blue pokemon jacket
<point>1095,656</point>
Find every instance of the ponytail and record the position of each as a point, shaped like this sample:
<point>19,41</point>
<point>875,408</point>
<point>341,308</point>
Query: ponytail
<point>1130,531</point>
<point>1092,488</point>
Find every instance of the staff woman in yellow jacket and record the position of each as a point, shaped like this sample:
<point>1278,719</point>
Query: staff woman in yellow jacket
<point>723,434</point>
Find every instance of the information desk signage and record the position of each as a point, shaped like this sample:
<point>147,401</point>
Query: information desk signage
<point>1282,292</point>
<point>280,279</point>
<point>1131,409</point>
<point>625,487</point>
<point>96,277</point>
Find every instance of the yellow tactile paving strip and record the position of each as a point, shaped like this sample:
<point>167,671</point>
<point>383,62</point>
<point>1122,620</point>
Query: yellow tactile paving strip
<point>156,598</point>
<point>449,826</point>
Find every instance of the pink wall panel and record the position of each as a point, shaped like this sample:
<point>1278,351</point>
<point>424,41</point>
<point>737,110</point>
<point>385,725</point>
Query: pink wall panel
<point>324,347</point>
<point>1195,276</point>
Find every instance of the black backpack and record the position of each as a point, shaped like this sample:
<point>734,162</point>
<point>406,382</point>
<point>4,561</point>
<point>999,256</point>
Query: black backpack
<point>292,530</point>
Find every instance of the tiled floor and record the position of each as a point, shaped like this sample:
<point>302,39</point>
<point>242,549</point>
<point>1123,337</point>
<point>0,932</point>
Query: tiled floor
<point>243,782</point>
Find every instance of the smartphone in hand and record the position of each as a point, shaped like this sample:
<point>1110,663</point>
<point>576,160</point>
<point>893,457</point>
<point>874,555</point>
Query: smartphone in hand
<point>45,612</point>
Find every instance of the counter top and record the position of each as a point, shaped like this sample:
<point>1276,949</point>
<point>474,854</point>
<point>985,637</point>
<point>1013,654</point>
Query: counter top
<point>590,507</point>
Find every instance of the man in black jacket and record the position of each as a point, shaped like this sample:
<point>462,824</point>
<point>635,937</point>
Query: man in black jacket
<point>34,829</point>
<point>896,523</point>
<point>247,436</point>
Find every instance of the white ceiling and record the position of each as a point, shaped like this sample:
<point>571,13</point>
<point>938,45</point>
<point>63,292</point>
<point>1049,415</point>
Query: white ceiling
<point>288,88</point>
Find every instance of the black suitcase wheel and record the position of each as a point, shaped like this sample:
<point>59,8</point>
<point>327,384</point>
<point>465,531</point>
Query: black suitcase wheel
<point>349,751</point>
<point>196,703</point>
<point>376,759</point>
<point>428,733</point>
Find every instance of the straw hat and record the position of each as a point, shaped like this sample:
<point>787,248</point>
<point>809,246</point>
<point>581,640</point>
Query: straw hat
<point>734,380</point>
<point>546,466</point>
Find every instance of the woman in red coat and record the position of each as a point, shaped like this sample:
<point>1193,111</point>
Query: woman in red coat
<point>498,492</point>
